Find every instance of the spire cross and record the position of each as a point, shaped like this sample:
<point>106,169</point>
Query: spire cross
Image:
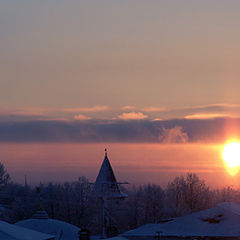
<point>105,152</point>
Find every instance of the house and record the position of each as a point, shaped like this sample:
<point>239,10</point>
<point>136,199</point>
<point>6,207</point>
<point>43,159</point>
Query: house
<point>219,222</point>
<point>13,232</point>
<point>42,223</point>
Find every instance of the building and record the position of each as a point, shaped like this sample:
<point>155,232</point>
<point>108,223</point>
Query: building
<point>219,222</point>
<point>42,223</point>
<point>106,186</point>
<point>106,189</point>
<point>13,232</point>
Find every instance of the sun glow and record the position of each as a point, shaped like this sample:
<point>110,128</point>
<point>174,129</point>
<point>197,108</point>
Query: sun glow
<point>231,156</point>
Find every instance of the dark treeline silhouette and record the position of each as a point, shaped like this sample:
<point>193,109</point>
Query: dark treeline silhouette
<point>73,202</point>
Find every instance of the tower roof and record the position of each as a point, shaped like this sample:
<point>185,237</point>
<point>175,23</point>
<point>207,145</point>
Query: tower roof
<point>106,185</point>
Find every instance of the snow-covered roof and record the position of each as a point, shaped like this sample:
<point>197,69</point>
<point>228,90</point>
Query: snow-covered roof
<point>111,238</point>
<point>222,220</point>
<point>116,238</point>
<point>12,232</point>
<point>106,184</point>
<point>51,226</point>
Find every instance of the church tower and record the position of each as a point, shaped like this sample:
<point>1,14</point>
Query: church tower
<point>106,185</point>
<point>106,188</point>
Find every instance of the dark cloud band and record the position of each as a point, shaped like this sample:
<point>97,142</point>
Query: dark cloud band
<point>170,131</point>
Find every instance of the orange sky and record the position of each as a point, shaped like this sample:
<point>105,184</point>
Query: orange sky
<point>135,163</point>
<point>111,71</point>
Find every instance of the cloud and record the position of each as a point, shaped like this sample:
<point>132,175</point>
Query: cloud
<point>89,109</point>
<point>173,135</point>
<point>199,111</point>
<point>157,119</point>
<point>213,107</point>
<point>127,112</point>
<point>54,119</point>
<point>206,115</point>
<point>78,131</point>
<point>25,112</point>
<point>128,107</point>
<point>132,116</point>
<point>211,130</point>
<point>153,109</point>
<point>81,117</point>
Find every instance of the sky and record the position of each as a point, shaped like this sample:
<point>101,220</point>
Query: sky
<point>118,73</point>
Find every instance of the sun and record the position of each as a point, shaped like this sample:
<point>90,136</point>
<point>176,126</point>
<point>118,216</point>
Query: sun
<point>231,156</point>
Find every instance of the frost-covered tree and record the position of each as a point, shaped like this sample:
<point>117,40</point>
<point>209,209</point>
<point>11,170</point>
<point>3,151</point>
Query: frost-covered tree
<point>153,203</point>
<point>197,193</point>
<point>175,196</point>
<point>187,194</point>
<point>4,180</point>
<point>4,176</point>
<point>72,202</point>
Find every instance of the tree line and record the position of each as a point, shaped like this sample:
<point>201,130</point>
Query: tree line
<point>74,203</point>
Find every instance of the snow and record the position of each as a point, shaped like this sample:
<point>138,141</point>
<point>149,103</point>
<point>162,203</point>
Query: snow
<point>12,232</point>
<point>51,226</point>
<point>221,220</point>
<point>116,238</point>
<point>233,207</point>
<point>112,238</point>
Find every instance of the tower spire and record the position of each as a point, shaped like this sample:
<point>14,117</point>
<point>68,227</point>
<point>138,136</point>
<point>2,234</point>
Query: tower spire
<point>105,152</point>
<point>106,185</point>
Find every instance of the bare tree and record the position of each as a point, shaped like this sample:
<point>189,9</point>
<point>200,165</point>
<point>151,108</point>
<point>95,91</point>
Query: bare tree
<point>187,194</point>
<point>4,176</point>
<point>197,193</point>
<point>175,196</point>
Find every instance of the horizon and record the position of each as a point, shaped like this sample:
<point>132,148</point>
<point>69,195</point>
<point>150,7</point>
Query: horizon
<point>130,162</point>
